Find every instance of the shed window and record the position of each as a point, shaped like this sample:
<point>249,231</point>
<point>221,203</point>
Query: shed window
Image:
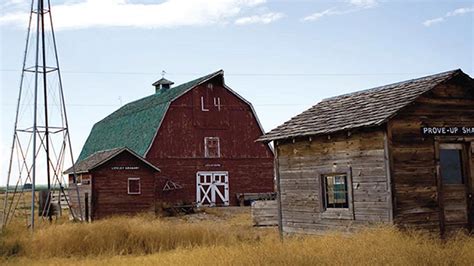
<point>212,147</point>
<point>134,186</point>
<point>78,179</point>
<point>450,159</point>
<point>335,191</point>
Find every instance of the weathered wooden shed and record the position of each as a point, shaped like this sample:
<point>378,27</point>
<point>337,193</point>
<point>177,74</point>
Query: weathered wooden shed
<point>201,134</point>
<point>397,154</point>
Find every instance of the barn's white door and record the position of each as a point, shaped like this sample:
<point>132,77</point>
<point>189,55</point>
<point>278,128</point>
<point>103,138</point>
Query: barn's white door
<point>212,189</point>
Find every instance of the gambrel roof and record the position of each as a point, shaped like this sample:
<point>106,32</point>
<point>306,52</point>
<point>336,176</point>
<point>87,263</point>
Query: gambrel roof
<point>98,158</point>
<point>136,124</point>
<point>365,108</point>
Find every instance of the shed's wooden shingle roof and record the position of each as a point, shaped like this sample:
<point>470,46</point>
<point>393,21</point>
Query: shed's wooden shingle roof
<point>366,108</point>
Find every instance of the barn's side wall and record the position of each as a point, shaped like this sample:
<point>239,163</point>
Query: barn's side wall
<point>413,156</point>
<point>301,165</point>
<point>110,187</point>
<point>178,149</point>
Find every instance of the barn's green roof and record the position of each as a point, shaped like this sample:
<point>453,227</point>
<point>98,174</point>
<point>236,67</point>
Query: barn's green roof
<point>135,124</point>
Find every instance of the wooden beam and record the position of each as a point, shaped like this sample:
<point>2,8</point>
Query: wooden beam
<point>277,175</point>
<point>389,176</point>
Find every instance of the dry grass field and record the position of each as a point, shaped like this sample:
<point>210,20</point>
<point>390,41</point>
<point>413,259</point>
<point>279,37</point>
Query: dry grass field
<point>221,237</point>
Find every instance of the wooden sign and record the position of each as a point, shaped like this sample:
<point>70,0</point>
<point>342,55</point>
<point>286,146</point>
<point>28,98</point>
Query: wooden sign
<point>447,131</point>
<point>125,168</point>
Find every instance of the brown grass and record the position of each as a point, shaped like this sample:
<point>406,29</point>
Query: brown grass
<point>144,240</point>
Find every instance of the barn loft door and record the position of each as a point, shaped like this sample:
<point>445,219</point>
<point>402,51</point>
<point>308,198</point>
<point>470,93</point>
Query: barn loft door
<point>212,189</point>
<point>454,170</point>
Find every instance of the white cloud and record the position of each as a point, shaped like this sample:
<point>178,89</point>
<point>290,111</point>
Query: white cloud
<point>260,19</point>
<point>460,11</point>
<point>327,12</point>
<point>454,13</point>
<point>354,6</point>
<point>364,3</point>
<point>431,22</point>
<point>170,13</point>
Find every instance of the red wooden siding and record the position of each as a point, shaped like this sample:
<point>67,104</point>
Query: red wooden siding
<point>178,149</point>
<point>110,195</point>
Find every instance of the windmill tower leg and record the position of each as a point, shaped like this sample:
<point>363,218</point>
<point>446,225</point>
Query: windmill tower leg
<point>40,134</point>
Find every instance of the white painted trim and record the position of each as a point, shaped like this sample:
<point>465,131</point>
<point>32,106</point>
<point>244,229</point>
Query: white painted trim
<point>217,102</point>
<point>202,105</point>
<point>139,186</point>
<point>212,188</point>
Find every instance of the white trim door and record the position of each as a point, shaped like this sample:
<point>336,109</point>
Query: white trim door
<point>212,188</point>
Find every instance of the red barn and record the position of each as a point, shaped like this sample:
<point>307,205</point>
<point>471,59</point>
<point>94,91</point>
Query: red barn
<point>200,134</point>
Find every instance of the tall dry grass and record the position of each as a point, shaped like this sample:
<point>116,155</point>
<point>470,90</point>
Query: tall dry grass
<point>148,241</point>
<point>119,236</point>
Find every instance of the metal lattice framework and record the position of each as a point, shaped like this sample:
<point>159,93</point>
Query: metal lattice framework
<point>41,142</point>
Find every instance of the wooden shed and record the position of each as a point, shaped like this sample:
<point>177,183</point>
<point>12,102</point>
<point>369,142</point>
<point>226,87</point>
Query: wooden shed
<point>116,181</point>
<point>201,134</point>
<point>397,154</point>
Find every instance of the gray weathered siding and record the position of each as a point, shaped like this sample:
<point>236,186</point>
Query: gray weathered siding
<point>302,163</point>
<point>418,199</point>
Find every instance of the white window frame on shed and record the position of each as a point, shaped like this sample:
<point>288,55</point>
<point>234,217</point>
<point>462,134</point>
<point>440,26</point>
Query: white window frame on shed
<point>139,186</point>
<point>206,147</point>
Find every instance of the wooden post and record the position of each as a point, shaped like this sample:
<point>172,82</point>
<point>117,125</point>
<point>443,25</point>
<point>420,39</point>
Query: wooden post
<point>277,175</point>
<point>440,189</point>
<point>86,206</point>
<point>388,172</point>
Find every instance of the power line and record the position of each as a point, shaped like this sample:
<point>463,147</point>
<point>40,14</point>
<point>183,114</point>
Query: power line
<point>235,74</point>
<point>118,105</point>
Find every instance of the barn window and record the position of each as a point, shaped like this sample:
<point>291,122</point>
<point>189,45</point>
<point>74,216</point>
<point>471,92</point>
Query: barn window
<point>212,148</point>
<point>134,186</point>
<point>335,191</point>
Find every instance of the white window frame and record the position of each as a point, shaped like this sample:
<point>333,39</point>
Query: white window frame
<point>139,186</point>
<point>206,147</point>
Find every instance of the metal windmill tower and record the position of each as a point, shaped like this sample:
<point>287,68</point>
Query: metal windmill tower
<point>41,142</point>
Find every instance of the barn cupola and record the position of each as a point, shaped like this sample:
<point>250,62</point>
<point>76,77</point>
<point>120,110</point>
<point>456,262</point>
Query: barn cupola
<point>162,85</point>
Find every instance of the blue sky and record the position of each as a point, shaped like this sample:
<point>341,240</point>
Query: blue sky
<point>283,56</point>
